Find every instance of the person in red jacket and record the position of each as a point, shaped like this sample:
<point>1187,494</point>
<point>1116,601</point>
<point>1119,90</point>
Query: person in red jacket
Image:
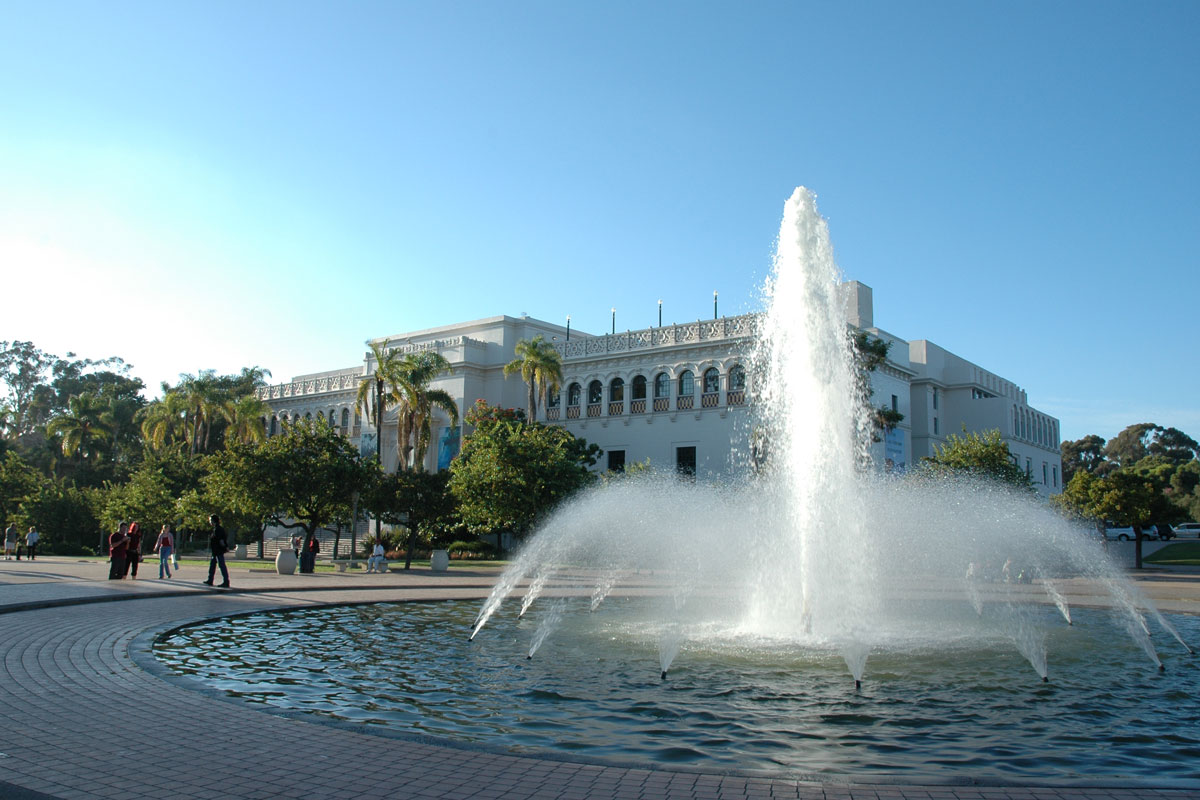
<point>133,553</point>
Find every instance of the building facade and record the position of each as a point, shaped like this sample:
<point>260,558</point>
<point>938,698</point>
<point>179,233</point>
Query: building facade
<point>677,396</point>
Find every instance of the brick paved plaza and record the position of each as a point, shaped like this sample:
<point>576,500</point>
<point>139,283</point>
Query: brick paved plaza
<point>87,712</point>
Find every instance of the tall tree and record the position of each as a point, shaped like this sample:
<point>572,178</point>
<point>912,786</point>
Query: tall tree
<point>165,423</point>
<point>372,397</point>
<point>1086,454</point>
<point>415,403</point>
<point>540,367</point>
<point>84,428</point>
<point>245,417</point>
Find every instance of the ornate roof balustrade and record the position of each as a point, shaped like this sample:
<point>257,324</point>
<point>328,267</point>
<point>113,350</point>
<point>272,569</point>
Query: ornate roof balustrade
<point>740,327</point>
<point>311,386</point>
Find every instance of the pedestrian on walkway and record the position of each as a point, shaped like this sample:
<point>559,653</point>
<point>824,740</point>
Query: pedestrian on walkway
<point>31,540</point>
<point>10,542</point>
<point>118,547</point>
<point>134,555</point>
<point>218,545</point>
<point>164,546</point>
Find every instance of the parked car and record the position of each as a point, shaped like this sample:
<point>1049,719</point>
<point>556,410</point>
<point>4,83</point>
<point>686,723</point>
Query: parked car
<point>1126,533</point>
<point>1188,530</point>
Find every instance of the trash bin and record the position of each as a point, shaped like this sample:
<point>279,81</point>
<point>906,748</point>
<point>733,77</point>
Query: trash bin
<point>307,561</point>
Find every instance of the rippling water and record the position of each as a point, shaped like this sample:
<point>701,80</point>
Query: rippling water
<point>961,704</point>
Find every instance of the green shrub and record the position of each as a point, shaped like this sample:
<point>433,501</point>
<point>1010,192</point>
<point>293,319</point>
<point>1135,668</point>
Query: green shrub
<point>476,548</point>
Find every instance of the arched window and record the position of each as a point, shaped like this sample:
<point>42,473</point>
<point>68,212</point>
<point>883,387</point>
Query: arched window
<point>687,388</point>
<point>274,424</point>
<point>345,419</point>
<point>637,395</point>
<point>711,395</point>
<point>616,397</point>
<point>662,392</point>
<point>573,394</point>
<point>595,397</point>
<point>553,398</point>
<point>332,419</point>
<point>736,393</point>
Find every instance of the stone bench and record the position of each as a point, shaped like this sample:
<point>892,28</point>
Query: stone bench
<point>344,563</point>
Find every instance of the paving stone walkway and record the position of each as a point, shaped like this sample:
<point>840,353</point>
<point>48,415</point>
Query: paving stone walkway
<point>86,713</point>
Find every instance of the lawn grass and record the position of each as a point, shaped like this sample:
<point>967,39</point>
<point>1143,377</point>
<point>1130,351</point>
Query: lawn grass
<point>1179,553</point>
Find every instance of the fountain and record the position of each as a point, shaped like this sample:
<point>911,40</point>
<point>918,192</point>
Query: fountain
<point>815,549</point>
<point>676,624</point>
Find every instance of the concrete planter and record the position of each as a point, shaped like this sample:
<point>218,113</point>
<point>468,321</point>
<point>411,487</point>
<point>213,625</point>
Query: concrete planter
<point>239,551</point>
<point>439,560</point>
<point>285,562</point>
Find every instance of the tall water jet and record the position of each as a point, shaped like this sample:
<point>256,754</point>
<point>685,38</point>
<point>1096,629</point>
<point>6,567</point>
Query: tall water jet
<point>814,547</point>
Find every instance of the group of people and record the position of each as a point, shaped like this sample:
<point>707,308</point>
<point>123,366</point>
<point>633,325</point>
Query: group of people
<point>125,551</point>
<point>12,543</point>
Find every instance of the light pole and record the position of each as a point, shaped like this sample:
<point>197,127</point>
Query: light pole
<point>660,313</point>
<point>614,320</point>
<point>714,303</point>
<point>568,327</point>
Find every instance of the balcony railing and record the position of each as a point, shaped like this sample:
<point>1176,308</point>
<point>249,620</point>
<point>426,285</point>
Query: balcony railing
<point>685,402</point>
<point>572,412</point>
<point>616,409</point>
<point>637,406</point>
<point>736,397</point>
<point>710,399</point>
<point>662,404</point>
<point>741,327</point>
<point>551,414</point>
<point>594,410</point>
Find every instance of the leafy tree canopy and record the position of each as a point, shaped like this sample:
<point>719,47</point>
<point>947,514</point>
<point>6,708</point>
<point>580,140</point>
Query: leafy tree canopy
<point>510,474</point>
<point>983,455</point>
<point>306,477</point>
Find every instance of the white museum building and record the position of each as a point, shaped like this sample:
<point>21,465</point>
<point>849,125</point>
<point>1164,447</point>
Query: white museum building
<point>675,396</point>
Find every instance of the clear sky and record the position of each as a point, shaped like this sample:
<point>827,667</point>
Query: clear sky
<point>194,185</point>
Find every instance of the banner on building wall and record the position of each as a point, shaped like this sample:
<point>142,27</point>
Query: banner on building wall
<point>366,444</point>
<point>448,444</point>
<point>893,451</point>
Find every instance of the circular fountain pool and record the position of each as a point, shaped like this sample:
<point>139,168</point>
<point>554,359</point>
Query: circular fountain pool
<point>951,701</point>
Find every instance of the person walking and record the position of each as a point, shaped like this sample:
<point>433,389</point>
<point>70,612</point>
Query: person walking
<point>164,546</point>
<point>31,540</point>
<point>118,547</point>
<point>10,542</point>
<point>133,555</point>
<point>218,545</point>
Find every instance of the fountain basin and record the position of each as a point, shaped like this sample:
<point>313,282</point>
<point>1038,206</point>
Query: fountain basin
<point>943,701</point>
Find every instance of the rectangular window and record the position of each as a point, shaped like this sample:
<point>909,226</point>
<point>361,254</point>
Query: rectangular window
<point>616,460</point>
<point>935,399</point>
<point>1029,466</point>
<point>1054,472</point>
<point>1045,482</point>
<point>685,461</point>
<point>935,426</point>
<point>895,403</point>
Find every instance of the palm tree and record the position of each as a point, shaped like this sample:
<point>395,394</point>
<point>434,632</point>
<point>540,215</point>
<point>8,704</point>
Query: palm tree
<point>373,408</point>
<point>540,366</point>
<point>165,422</point>
<point>83,428</point>
<point>416,401</point>
<point>245,417</point>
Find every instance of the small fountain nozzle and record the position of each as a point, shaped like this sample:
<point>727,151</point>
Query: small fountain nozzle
<point>1162,667</point>
<point>663,675</point>
<point>1045,679</point>
<point>529,657</point>
<point>857,684</point>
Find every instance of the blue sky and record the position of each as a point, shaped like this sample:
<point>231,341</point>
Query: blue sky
<point>211,185</point>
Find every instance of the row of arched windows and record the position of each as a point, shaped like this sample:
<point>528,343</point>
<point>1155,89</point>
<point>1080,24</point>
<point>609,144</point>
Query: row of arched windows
<point>640,389</point>
<point>341,424</point>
